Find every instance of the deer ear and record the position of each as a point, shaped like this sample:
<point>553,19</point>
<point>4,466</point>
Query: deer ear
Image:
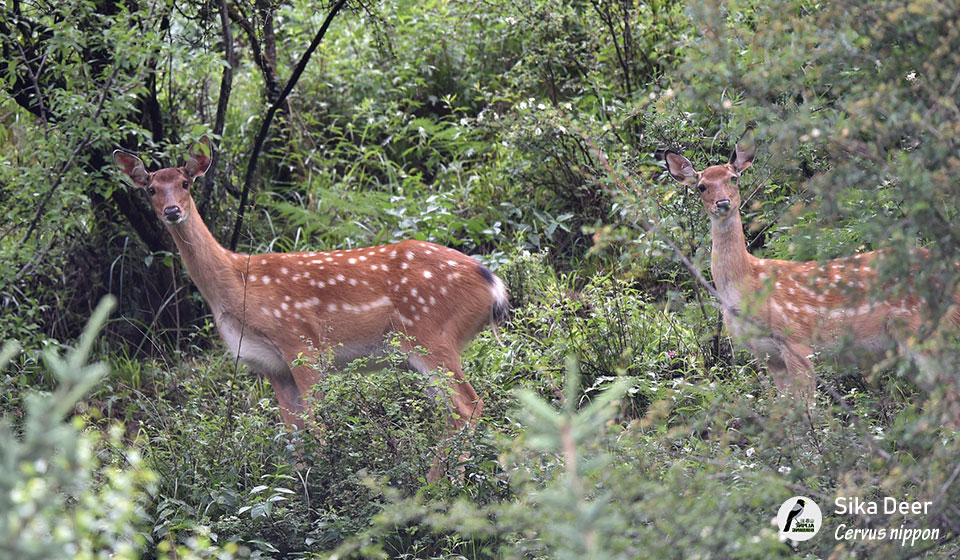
<point>680,168</point>
<point>743,154</point>
<point>132,167</point>
<point>200,158</point>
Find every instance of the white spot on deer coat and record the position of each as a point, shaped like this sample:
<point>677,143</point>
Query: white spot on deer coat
<point>427,274</point>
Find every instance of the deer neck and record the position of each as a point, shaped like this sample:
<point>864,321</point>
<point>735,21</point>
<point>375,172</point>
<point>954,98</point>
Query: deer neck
<point>730,262</point>
<point>210,265</point>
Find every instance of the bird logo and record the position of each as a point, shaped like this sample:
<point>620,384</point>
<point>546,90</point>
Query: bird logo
<point>798,519</point>
<point>794,512</point>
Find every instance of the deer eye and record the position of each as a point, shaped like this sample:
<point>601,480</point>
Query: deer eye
<point>734,179</point>
<point>152,191</point>
<point>186,184</point>
<point>701,187</point>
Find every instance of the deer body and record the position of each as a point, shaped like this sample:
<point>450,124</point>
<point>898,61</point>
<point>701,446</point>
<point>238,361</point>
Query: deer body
<point>273,309</point>
<point>786,311</point>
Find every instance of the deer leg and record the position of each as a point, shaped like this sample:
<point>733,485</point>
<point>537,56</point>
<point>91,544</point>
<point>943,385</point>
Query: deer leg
<point>291,405</point>
<point>465,405</point>
<point>778,370</point>
<point>801,378</point>
<point>302,363</point>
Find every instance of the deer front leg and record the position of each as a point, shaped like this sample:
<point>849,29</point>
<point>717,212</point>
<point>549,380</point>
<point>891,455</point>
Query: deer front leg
<point>801,379</point>
<point>303,363</point>
<point>288,396</point>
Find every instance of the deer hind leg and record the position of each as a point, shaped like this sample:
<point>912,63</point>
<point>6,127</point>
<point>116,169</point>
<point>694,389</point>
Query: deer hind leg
<point>465,405</point>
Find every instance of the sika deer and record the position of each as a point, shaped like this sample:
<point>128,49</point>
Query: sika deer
<point>785,311</point>
<point>272,308</point>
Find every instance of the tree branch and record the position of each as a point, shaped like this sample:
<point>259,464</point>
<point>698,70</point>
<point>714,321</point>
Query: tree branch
<point>265,125</point>
<point>226,84</point>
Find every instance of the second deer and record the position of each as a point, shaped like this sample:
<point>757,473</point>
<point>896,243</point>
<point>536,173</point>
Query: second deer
<point>786,311</point>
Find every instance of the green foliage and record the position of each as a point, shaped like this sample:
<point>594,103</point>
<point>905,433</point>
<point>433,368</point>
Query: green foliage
<point>65,492</point>
<point>619,421</point>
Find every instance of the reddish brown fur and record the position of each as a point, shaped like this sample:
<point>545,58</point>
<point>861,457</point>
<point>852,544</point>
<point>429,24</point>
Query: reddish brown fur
<point>784,311</point>
<point>272,308</point>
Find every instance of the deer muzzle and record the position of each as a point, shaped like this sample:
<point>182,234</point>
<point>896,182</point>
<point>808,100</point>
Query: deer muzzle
<point>172,214</point>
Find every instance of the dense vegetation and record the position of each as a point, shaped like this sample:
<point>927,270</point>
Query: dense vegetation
<point>620,420</point>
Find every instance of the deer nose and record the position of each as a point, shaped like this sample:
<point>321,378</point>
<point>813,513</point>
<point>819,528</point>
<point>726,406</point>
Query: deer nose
<point>723,205</point>
<point>172,213</point>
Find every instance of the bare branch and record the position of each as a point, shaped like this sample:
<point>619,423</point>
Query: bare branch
<point>268,118</point>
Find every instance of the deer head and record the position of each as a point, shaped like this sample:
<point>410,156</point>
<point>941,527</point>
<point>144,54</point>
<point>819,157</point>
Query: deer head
<point>169,189</point>
<point>717,184</point>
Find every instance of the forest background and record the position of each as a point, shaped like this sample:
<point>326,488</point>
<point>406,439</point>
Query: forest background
<point>620,420</point>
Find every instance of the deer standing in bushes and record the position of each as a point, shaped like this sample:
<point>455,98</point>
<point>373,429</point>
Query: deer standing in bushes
<point>785,311</point>
<point>274,309</point>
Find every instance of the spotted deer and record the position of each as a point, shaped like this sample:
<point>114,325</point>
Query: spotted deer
<point>277,311</point>
<point>785,311</point>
